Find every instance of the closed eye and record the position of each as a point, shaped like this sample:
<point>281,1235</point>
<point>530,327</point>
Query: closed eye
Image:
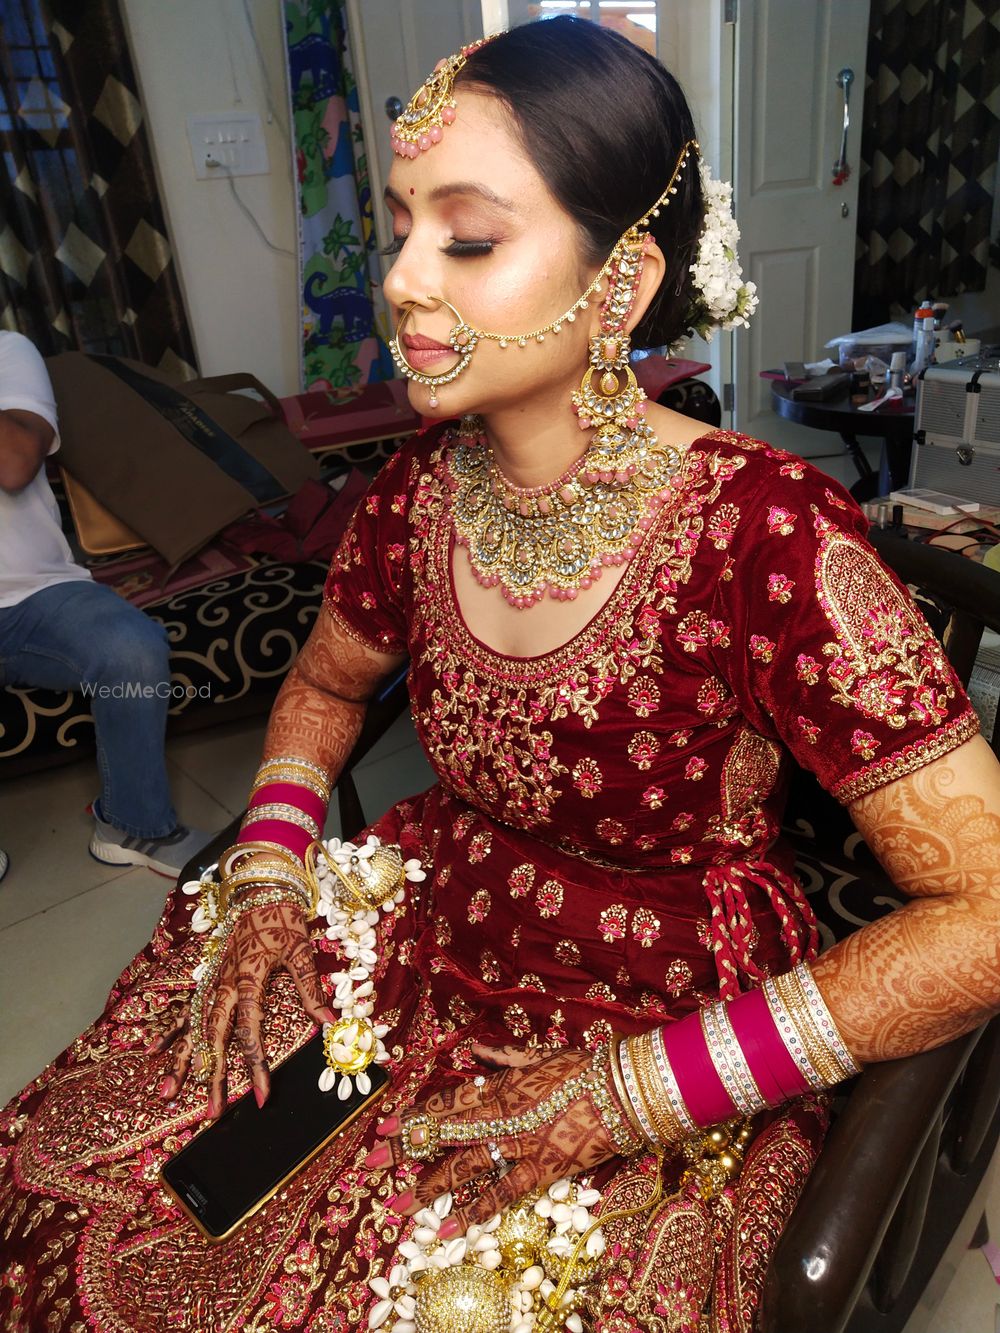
<point>457,249</point>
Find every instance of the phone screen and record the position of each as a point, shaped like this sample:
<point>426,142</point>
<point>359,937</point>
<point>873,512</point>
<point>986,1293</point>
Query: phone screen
<point>235,1165</point>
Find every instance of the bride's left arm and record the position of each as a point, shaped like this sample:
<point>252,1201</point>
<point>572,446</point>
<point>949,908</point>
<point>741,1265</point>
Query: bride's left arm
<point>931,970</point>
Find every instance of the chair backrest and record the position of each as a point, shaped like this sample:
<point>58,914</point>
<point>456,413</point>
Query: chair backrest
<point>897,1189</point>
<point>959,596</point>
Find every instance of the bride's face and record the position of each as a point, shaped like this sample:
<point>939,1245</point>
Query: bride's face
<point>477,225</point>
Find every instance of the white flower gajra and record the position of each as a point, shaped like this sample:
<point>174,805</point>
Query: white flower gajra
<point>725,300</point>
<point>503,1275</point>
<point>356,883</point>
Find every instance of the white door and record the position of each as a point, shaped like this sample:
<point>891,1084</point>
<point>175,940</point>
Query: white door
<point>396,44</point>
<point>798,227</point>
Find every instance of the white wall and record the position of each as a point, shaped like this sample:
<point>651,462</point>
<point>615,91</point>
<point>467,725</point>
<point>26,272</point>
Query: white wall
<point>194,57</point>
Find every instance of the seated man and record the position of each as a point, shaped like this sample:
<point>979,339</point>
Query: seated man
<point>61,630</point>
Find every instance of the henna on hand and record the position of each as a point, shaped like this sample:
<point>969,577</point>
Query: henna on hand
<point>265,938</point>
<point>574,1141</point>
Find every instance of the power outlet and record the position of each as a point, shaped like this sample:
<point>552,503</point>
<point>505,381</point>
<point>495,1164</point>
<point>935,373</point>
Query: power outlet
<point>229,143</point>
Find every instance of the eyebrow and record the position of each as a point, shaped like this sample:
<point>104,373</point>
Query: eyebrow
<point>458,187</point>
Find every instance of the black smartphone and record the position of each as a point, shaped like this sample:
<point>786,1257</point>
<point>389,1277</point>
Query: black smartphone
<point>235,1165</point>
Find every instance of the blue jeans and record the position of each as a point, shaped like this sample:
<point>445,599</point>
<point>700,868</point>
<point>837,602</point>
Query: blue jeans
<point>82,636</point>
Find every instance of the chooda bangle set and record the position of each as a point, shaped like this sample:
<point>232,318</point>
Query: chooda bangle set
<point>288,803</point>
<point>731,1060</point>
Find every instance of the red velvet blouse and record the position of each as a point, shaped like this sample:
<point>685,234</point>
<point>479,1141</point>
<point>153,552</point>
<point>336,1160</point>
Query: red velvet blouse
<point>605,833</point>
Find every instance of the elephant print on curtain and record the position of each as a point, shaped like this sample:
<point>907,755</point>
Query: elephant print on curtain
<point>343,339</point>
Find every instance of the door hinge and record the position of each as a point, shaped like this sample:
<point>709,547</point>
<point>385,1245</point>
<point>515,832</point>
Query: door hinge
<point>728,397</point>
<point>730,10</point>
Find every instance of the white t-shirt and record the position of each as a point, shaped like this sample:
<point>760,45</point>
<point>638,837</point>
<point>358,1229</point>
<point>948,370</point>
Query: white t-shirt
<point>33,551</point>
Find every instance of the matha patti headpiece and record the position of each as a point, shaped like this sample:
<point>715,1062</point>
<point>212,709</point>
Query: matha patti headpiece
<point>431,107</point>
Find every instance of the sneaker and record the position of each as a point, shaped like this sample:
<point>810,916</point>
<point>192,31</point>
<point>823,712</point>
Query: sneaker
<point>4,864</point>
<point>167,856</point>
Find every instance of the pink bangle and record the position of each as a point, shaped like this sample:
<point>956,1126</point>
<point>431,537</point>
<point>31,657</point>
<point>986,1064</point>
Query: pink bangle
<point>296,839</point>
<point>698,1080</point>
<point>290,793</point>
<point>773,1068</point>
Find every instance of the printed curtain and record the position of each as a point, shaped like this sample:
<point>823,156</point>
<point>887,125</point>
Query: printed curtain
<point>929,145</point>
<point>84,257</point>
<point>343,339</point>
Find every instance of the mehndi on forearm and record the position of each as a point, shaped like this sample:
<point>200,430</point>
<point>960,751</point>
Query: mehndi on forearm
<point>314,726</point>
<point>931,970</point>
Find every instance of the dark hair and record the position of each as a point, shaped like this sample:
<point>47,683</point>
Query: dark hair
<point>604,123</point>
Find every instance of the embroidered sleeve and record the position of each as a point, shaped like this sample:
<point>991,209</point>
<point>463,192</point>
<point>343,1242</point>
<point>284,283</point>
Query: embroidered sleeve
<point>366,586</point>
<point>828,652</point>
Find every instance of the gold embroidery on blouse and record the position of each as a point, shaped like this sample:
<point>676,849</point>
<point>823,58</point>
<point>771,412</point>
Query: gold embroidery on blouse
<point>489,966</point>
<point>678,977</point>
<point>521,879</point>
<point>516,1020</point>
<point>485,724</point>
<point>549,898</point>
<point>567,953</point>
<point>886,662</point>
<point>749,773</point>
<point>909,759</point>
<point>588,778</point>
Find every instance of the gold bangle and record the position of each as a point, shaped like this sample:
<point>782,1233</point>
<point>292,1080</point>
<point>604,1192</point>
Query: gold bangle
<point>823,1022</point>
<point>261,873</point>
<point>621,1092</point>
<point>627,1064</point>
<point>614,1118</point>
<point>230,858</point>
<point>295,777</point>
<point>284,761</point>
<point>668,1129</point>
<point>822,1059</point>
<point>240,894</point>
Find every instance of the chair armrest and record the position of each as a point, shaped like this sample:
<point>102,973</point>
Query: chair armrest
<point>827,1250</point>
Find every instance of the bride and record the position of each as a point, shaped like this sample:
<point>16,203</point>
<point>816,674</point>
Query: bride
<point>587,966</point>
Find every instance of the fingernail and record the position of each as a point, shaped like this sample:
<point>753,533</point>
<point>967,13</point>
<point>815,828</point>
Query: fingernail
<point>328,1015</point>
<point>378,1157</point>
<point>448,1228</point>
<point>388,1126</point>
<point>165,1087</point>
<point>259,1097</point>
<point>213,1107</point>
<point>406,1202</point>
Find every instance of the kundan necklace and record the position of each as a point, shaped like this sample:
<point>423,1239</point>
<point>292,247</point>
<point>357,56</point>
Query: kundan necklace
<point>558,538</point>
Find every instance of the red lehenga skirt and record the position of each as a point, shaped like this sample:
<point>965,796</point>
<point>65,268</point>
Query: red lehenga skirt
<point>91,1243</point>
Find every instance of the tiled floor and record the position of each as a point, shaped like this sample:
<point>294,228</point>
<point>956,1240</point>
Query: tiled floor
<point>68,924</point>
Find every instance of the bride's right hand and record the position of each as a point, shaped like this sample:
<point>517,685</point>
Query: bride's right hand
<point>265,938</point>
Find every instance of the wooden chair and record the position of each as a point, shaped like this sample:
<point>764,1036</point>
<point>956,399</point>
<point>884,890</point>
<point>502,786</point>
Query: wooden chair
<point>899,1184</point>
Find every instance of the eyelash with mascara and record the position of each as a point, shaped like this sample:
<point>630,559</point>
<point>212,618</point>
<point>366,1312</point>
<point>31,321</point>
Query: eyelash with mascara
<point>457,249</point>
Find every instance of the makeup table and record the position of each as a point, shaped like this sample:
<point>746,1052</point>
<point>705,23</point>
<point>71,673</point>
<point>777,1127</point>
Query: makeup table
<point>893,424</point>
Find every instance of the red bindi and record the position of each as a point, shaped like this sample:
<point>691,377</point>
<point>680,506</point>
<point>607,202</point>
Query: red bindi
<point>412,190</point>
